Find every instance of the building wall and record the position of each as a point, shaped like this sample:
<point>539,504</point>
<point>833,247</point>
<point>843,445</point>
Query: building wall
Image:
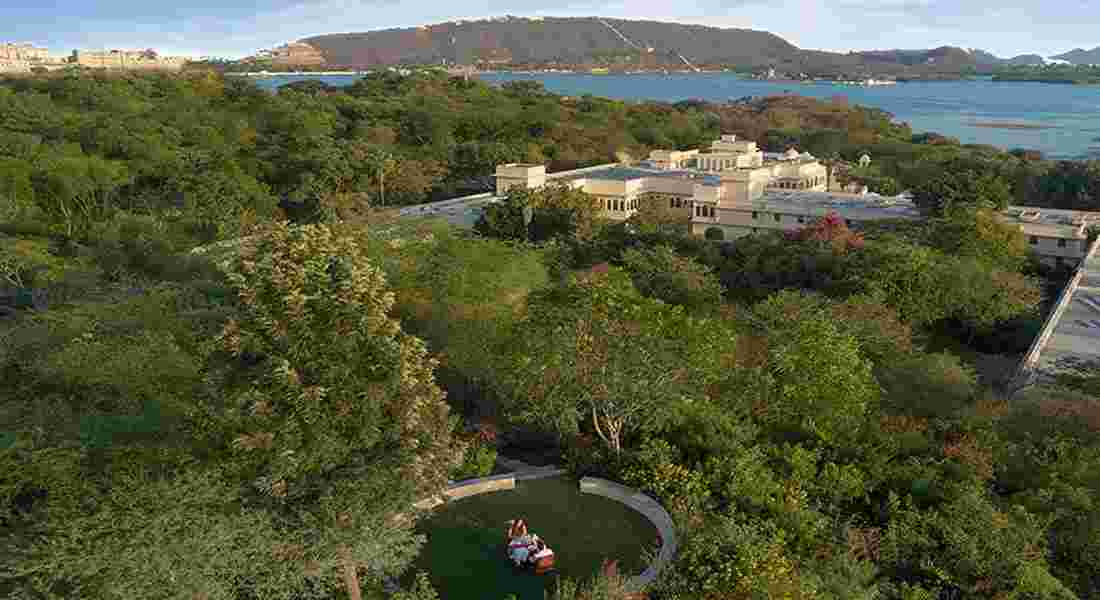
<point>23,52</point>
<point>297,54</point>
<point>619,199</point>
<point>743,187</point>
<point>672,160</point>
<point>720,161</point>
<point>127,60</point>
<point>740,221</point>
<point>519,175</point>
<point>1051,248</point>
<point>14,66</point>
<point>673,204</point>
<point>22,58</point>
<point>617,207</point>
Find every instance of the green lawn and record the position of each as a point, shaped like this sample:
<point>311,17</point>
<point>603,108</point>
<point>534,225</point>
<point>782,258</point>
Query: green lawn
<point>465,556</point>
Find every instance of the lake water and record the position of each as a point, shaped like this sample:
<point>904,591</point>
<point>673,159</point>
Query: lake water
<point>1069,114</point>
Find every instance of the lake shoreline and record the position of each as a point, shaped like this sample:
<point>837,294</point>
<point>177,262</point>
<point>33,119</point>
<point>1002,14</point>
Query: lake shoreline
<point>1058,120</point>
<point>1021,126</point>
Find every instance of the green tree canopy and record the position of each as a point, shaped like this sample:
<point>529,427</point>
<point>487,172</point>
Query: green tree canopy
<point>597,352</point>
<point>556,211</point>
<point>951,189</point>
<point>334,421</point>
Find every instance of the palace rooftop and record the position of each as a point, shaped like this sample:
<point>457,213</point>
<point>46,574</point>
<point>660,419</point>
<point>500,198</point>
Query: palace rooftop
<point>734,189</point>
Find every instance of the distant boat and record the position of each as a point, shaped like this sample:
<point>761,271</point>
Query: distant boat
<point>866,82</point>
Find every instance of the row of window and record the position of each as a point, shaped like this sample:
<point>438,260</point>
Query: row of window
<point>674,201</point>
<point>802,184</point>
<point>619,204</point>
<point>778,218</point>
<point>1035,242</point>
<point>702,210</point>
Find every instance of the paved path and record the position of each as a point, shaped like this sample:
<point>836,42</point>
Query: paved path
<point>524,471</point>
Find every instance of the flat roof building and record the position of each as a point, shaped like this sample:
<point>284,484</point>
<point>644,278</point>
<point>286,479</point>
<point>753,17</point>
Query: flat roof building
<point>139,60</point>
<point>736,190</point>
<point>22,58</point>
<point>1070,338</point>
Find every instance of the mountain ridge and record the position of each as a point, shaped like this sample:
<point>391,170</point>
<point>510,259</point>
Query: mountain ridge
<point>626,43</point>
<point>1080,56</point>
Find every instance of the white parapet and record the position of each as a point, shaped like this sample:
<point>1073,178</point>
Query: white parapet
<point>521,175</point>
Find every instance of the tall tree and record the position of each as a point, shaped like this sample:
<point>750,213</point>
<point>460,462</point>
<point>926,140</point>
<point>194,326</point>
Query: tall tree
<point>334,423</point>
<point>663,274</point>
<point>980,232</point>
<point>77,191</point>
<point>950,189</point>
<point>816,380</point>
<point>556,211</point>
<point>595,352</point>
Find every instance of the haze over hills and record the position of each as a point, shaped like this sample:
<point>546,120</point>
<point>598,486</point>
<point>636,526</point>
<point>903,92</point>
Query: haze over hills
<point>1080,56</point>
<point>627,43</point>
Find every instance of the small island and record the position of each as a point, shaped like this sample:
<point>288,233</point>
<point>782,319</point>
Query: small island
<point>1001,125</point>
<point>1052,73</point>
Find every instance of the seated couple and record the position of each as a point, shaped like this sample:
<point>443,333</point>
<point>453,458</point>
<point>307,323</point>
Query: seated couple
<point>527,549</point>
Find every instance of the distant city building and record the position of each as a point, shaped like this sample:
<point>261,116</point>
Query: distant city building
<point>295,54</point>
<point>27,52</point>
<point>22,58</point>
<point>143,60</point>
<point>494,56</point>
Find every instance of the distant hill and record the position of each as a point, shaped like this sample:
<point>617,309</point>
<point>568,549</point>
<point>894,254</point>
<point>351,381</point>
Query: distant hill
<point>628,44</point>
<point>1079,56</point>
<point>945,56</point>
<point>1026,60</point>
<point>553,40</point>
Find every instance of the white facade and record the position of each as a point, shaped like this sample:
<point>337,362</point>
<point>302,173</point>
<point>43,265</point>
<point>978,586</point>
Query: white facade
<point>673,160</point>
<point>519,175</point>
<point>726,189</point>
<point>1059,237</point>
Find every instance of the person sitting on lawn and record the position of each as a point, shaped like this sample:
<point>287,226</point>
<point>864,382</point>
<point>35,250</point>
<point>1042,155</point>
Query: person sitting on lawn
<point>517,529</point>
<point>519,553</point>
<point>543,557</point>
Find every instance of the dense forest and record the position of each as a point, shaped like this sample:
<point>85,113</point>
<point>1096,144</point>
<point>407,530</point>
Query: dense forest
<point>229,370</point>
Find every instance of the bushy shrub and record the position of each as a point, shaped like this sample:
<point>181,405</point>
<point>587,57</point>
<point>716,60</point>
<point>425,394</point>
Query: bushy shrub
<point>735,558</point>
<point>585,457</point>
<point>478,462</point>
<point>608,584</point>
<point>664,274</point>
<point>480,456</point>
<point>421,589</point>
<point>655,469</point>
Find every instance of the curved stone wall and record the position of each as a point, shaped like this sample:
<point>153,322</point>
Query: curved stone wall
<point>648,507</point>
<point>652,510</point>
<point>470,487</point>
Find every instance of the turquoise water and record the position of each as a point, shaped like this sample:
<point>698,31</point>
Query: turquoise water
<point>465,556</point>
<point>1069,113</point>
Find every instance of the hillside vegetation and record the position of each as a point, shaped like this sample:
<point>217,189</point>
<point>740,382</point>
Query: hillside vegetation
<point>228,372</point>
<point>593,41</point>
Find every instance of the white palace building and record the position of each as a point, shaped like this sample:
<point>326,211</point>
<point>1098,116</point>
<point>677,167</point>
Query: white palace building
<point>733,189</point>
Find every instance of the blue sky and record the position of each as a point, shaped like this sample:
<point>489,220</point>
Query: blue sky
<point>233,28</point>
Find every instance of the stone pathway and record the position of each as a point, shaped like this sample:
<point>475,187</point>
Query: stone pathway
<point>524,471</point>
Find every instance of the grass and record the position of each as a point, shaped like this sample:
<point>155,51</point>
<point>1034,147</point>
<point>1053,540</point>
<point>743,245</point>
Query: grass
<point>465,558</point>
